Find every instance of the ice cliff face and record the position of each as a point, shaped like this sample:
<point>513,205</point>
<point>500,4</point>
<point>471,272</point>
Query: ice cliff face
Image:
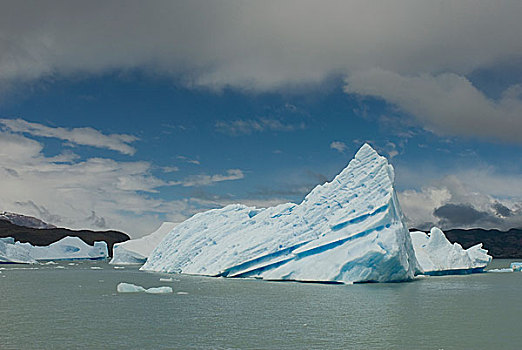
<point>136,251</point>
<point>68,248</point>
<point>437,256</point>
<point>348,230</point>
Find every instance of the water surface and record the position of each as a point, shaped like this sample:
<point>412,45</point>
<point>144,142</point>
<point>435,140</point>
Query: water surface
<point>74,306</point>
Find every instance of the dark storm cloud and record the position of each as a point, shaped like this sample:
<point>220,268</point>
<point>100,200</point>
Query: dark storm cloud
<point>501,209</point>
<point>462,215</point>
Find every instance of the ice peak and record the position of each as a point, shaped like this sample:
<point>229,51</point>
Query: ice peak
<point>366,151</point>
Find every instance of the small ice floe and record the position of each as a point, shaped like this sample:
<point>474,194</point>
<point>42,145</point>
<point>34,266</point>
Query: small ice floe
<point>129,288</point>
<point>516,266</point>
<point>132,288</point>
<point>165,279</point>
<point>49,263</point>
<point>119,267</point>
<point>182,293</point>
<point>159,290</point>
<point>59,267</point>
<point>71,264</point>
<point>96,268</point>
<point>501,270</point>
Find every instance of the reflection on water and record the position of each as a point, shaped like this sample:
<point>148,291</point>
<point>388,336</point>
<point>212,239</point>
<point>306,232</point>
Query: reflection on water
<point>74,306</point>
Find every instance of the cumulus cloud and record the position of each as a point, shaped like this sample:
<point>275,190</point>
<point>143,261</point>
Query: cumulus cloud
<point>76,136</point>
<point>98,193</point>
<point>249,126</point>
<point>445,103</point>
<point>338,146</point>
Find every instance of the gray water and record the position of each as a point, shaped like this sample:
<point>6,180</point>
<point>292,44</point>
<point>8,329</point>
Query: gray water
<point>76,307</point>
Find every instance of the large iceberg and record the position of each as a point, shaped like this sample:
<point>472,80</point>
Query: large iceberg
<point>136,251</point>
<point>68,248</point>
<point>348,230</point>
<point>437,256</point>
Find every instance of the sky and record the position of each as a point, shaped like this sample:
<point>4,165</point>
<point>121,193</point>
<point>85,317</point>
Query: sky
<point>124,114</point>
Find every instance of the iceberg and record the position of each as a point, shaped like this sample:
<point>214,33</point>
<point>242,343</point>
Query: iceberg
<point>12,252</point>
<point>136,251</point>
<point>68,248</point>
<point>346,231</point>
<point>437,256</point>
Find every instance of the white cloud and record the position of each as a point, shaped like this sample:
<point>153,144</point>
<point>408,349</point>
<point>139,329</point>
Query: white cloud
<point>96,193</point>
<point>445,103</point>
<point>338,146</point>
<point>204,179</point>
<point>75,136</point>
<point>66,192</point>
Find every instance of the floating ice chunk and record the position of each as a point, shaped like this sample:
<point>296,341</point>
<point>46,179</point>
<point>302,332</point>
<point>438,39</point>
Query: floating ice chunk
<point>516,266</point>
<point>119,267</point>
<point>96,268</point>
<point>159,290</point>
<point>501,270</point>
<point>165,279</point>
<point>129,288</point>
<point>136,251</point>
<point>437,256</point>
<point>182,293</point>
<point>348,230</point>
<point>124,287</point>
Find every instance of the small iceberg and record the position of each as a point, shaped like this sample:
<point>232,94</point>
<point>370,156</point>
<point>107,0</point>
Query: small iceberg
<point>165,279</point>
<point>124,287</point>
<point>437,256</point>
<point>12,252</point>
<point>129,288</point>
<point>159,290</point>
<point>516,266</point>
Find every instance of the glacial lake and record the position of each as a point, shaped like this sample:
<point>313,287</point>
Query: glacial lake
<point>66,306</point>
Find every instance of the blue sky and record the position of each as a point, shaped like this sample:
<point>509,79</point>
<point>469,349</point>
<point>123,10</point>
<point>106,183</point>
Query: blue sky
<point>134,126</point>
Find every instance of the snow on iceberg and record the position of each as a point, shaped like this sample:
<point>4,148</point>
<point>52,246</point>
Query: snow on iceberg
<point>348,230</point>
<point>12,252</point>
<point>136,251</point>
<point>437,256</point>
<point>68,248</point>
